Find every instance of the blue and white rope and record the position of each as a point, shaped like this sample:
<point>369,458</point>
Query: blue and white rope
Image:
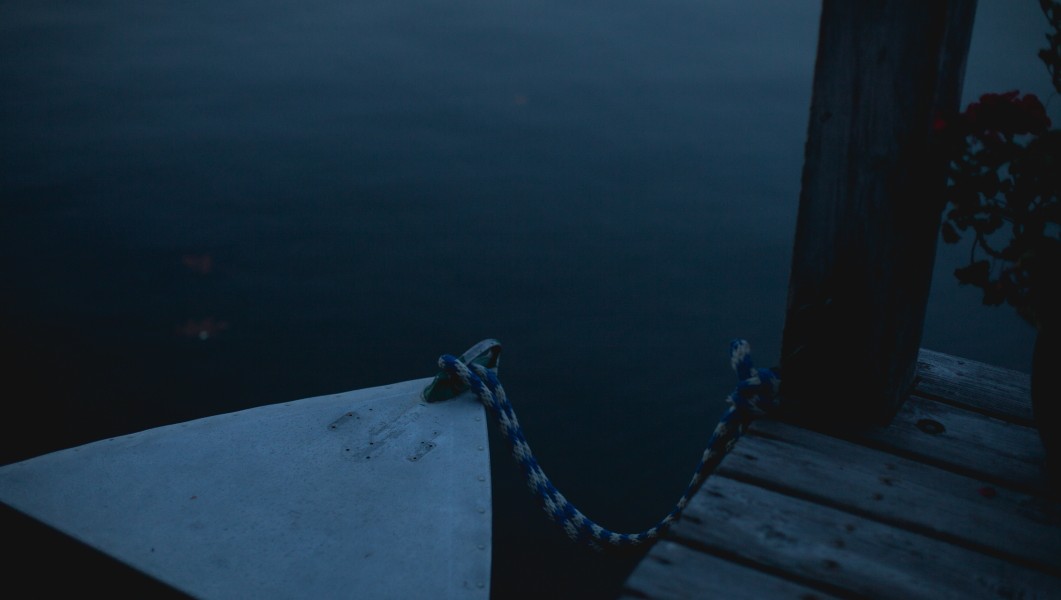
<point>756,394</point>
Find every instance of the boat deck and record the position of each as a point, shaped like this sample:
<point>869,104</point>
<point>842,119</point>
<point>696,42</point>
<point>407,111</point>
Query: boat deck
<point>949,501</point>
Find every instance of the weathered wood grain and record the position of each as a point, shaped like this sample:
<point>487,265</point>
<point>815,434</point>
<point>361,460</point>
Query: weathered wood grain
<point>966,511</point>
<point>813,543</point>
<point>1001,393</point>
<point>673,572</point>
<point>869,212</point>
<point>947,502</point>
<point>965,442</point>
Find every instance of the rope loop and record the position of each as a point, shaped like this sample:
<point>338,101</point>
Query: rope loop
<point>757,389</point>
<point>756,395</point>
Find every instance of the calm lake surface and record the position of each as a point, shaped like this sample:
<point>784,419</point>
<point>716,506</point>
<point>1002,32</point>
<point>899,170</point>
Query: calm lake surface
<point>214,205</point>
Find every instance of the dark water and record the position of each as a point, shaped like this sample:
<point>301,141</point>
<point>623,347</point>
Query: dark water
<point>209,206</point>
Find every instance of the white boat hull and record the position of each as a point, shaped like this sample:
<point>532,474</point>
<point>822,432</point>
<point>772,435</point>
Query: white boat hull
<point>372,493</point>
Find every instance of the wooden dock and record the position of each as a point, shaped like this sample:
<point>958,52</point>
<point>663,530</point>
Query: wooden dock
<point>948,501</point>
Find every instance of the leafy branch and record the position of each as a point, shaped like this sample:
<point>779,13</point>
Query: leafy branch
<point>1004,177</point>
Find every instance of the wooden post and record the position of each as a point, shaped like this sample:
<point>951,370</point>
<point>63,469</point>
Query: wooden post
<point>870,205</point>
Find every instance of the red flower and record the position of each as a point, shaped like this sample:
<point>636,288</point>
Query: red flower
<point>1008,114</point>
<point>1035,113</point>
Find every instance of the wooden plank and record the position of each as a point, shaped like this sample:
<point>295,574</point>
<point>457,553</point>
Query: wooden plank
<point>835,549</point>
<point>868,220</point>
<point>901,492</point>
<point>672,571</point>
<point>964,442</point>
<point>1001,393</point>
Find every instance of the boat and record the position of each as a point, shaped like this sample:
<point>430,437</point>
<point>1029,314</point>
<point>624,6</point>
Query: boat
<point>374,493</point>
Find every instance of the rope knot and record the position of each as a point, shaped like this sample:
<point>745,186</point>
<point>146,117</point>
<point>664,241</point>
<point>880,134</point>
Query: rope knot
<point>455,374</point>
<point>757,389</point>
